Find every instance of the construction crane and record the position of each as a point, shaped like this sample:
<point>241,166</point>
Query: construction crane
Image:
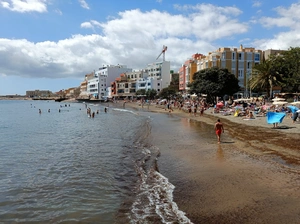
<point>162,52</point>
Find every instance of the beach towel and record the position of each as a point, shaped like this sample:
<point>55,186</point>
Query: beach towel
<point>273,117</point>
<point>236,113</point>
<point>293,108</point>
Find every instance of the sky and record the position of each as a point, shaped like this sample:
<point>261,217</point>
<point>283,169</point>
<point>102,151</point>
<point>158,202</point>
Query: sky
<point>52,44</point>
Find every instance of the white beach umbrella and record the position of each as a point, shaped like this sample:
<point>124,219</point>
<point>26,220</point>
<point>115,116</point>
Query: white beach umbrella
<point>295,103</point>
<point>278,99</point>
<point>279,102</point>
<point>194,95</point>
<point>242,99</point>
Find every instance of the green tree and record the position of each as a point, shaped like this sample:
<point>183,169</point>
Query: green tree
<point>167,93</point>
<point>266,75</point>
<point>151,94</point>
<point>174,84</point>
<point>141,92</point>
<point>214,82</point>
<point>288,65</point>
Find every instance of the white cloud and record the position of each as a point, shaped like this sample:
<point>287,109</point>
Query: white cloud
<point>92,24</point>
<point>58,11</point>
<point>25,5</point>
<point>288,17</point>
<point>256,4</point>
<point>283,41</point>
<point>134,39</point>
<point>83,4</point>
<point>86,25</point>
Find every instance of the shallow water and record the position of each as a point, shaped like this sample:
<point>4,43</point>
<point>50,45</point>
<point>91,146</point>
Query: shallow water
<point>59,167</point>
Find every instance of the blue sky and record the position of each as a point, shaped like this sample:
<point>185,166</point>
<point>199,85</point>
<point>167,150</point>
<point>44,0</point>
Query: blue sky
<point>52,44</point>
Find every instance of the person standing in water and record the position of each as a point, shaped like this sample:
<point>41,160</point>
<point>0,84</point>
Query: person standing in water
<point>219,129</point>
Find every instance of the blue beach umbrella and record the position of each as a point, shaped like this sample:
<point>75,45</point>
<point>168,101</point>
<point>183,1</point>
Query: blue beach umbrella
<point>273,117</point>
<point>293,108</point>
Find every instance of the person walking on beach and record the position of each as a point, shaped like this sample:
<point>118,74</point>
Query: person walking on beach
<point>219,129</point>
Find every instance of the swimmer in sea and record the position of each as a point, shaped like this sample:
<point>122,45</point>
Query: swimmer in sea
<point>219,129</point>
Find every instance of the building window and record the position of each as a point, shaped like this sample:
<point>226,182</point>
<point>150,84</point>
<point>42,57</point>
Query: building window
<point>240,56</point>
<point>241,73</point>
<point>257,57</point>
<point>233,56</point>
<point>223,55</point>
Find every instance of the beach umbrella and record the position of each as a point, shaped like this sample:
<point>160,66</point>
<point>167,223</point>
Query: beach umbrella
<point>295,103</point>
<point>293,108</point>
<point>220,104</point>
<point>278,99</point>
<point>194,95</point>
<point>273,117</point>
<point>242,99</point>
<point>279,102</point>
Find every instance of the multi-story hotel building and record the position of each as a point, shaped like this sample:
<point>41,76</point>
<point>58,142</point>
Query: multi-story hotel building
<point>238,61</point>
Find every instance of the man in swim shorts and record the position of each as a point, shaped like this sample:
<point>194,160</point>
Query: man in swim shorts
<point>219,129</point>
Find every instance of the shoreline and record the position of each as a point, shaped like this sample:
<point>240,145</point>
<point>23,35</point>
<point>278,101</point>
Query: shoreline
<point>286,130</point>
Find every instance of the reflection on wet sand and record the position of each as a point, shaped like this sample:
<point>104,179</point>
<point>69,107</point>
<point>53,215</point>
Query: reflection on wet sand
<point>220,154</point>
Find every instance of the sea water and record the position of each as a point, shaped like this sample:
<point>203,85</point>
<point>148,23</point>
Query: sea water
<point>62,166</point>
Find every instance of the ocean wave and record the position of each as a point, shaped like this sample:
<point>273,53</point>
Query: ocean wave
<point>124,110</point>
<point>154,197</point>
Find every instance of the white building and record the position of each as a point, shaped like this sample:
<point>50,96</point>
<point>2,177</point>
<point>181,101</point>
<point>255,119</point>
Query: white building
<point>161,71</point>
<point>97,86</point>
<point>149,83</point>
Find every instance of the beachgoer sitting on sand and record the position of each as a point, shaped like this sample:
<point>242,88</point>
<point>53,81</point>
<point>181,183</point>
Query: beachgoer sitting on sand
<point>249,116</point>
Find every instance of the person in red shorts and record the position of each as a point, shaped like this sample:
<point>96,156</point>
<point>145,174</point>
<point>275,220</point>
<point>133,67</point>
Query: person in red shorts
<point>219,129</point>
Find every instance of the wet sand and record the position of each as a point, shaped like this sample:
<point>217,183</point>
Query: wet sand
<point>253,176</point>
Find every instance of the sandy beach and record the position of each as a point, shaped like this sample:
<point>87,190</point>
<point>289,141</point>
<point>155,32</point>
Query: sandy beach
<point>253,176</point>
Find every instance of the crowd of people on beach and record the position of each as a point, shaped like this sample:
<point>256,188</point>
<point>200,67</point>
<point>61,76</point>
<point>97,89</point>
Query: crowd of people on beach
<point>243,108</point>
<point>249,108</point>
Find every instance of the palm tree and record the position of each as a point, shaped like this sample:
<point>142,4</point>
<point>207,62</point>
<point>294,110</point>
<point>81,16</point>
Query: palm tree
<point>265,76</point>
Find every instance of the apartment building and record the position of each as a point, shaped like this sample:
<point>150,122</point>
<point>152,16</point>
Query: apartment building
<point>269,52</point>
<point>238,61</point>
<point>97,86</point>
<point>160,71</point>
<point>187,71</point>
<point>129,83</point>
<point>129,78</point>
